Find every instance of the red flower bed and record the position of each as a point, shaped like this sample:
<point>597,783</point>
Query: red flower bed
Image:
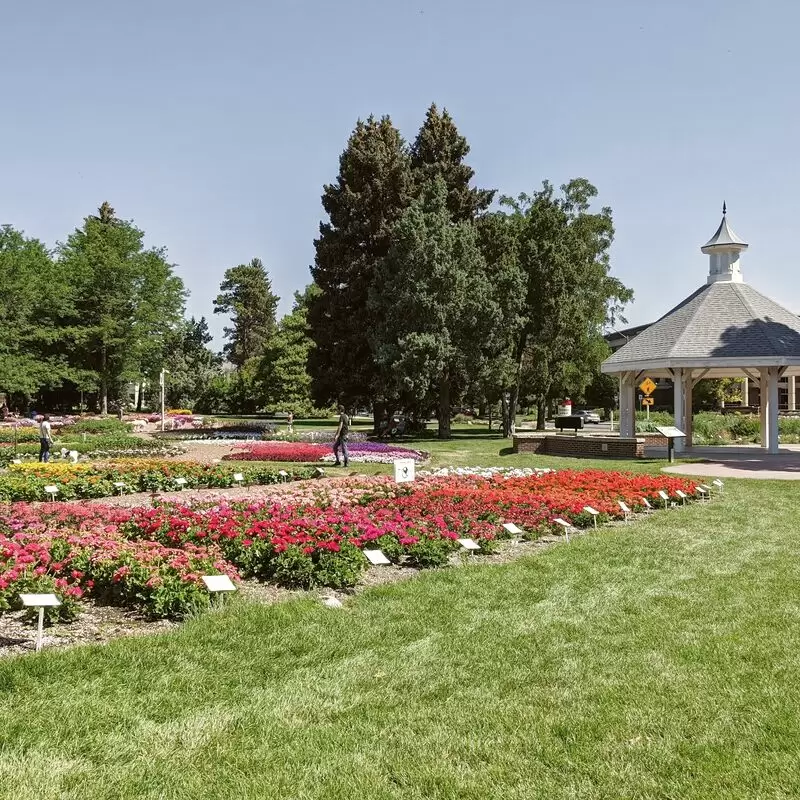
<point>153,558</point>
<point>279,451</point>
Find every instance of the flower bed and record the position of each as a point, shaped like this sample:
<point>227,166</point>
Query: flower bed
<point>152,558</point>
<point>309,452</point>
<point>83,481</point>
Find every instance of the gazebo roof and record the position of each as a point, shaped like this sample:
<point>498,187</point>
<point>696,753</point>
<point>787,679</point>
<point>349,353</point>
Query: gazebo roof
<point>724,236</point>
<point>722,324</point>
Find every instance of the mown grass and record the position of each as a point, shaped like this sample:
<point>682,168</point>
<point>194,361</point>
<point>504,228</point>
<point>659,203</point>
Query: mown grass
<point>473,445</point>
<point>653,660</point>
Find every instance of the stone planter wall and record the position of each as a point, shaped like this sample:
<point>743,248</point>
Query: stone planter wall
<point>579,446</point>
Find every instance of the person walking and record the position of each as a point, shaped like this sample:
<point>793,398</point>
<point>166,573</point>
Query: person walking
<point>340,439</point>
<point>45,439</point>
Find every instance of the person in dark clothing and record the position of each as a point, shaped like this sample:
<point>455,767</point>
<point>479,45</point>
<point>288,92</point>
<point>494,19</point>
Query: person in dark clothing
<point>340,439</point>
<point>45,439</point>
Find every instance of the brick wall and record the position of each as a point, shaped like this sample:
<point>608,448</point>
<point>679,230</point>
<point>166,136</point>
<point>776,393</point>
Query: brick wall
<point>579,446</point>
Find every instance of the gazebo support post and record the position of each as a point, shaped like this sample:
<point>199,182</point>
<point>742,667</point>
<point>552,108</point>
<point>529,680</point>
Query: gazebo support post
<point>792,396</point>
<point>677,383</point>
<point>746,391</point>
<point>627,405</point>
<point>763,401</point>
<point>772,409</point>
<point>689,382</point>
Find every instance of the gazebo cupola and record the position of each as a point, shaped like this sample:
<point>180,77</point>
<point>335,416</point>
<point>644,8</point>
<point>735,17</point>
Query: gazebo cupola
<point>723,250</point>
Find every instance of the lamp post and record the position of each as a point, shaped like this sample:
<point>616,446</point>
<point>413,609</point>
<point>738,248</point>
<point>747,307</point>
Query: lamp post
<point>161,381</point>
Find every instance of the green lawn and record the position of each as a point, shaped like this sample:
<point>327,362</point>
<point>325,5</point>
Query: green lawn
<point>654,660</point>
<point>474,445</point>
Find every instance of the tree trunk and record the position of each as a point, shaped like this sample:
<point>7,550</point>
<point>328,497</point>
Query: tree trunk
<point>510,418</point>
<point>541,413</point>
<point>103,381</point>
<point>378,409</point>
<point>489,411</point>
<point>444,407</point>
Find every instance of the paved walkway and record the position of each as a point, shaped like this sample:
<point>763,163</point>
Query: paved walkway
<point>739,462</point>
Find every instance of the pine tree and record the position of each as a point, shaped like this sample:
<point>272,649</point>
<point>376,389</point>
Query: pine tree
<point>439,152</point>
<point>368,197</point>
<point>434,303</point>
<point>246,295</point>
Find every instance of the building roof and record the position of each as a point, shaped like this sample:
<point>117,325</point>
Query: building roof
<point>725,322</point>
<point>724,237</point>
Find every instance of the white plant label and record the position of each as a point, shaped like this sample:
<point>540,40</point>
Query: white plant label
<point>51,489</point>
<point>512,528</point>
<point>469,544</point>
<point>376,557</point>
<point>39,600</point>
<point>404,470</point>
<point>218,583</point>
<point>589,510</point>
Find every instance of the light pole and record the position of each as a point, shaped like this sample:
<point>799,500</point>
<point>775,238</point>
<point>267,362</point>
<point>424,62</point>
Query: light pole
<point>161,381</point>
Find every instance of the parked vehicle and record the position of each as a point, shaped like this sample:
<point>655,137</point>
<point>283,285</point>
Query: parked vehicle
<point>589,417</point>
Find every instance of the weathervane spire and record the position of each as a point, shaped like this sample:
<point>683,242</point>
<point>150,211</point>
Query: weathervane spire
<point>724,209</point>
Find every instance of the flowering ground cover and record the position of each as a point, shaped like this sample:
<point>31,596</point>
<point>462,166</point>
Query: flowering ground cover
<point>92,480</point>
<point>308,452</point>
<point>152,558</point>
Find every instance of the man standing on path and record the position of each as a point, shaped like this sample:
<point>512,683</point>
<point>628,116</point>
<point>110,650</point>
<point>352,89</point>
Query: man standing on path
<point>340,439</point>
<point>45,439</point>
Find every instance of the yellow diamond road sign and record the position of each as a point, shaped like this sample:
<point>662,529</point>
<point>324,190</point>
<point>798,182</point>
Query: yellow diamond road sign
<point>647,386</point>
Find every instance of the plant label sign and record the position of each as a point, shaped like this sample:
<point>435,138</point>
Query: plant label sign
<point>625,509</point>
<point>512,528</point>
<point>52,489</point>
<point>180,481</point>
<point>404,470</point>
<point>238,476</point>
<point>663,495</point>
<point>469,544</point>
<point>589,510</point>
<point>376,557</point>
<point>218,583</point>
<point>668,432</point>
<point>39,600</point>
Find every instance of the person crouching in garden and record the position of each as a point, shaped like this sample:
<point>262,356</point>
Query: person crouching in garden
<point>340,439</point>
<point>45,439</point>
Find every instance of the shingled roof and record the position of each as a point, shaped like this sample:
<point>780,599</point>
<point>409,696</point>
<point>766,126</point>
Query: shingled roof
<point>728,321</point>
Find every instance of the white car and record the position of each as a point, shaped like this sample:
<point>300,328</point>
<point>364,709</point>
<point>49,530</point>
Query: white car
<point>589,417</point>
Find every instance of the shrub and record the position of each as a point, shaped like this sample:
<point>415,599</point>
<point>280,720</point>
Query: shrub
<point>95,426</point>
<point>428,553</point>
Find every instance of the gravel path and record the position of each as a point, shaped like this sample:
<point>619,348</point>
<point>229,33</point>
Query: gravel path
<point>192,496</point>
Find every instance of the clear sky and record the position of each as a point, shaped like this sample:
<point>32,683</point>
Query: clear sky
<point>214,125</point>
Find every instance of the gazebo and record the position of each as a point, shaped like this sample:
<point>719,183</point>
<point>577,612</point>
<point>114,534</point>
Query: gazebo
<point>725,329</point>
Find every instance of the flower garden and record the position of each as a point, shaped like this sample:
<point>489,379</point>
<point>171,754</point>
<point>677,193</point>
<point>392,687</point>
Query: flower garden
<point>313,534</point>
<point>363,452</point>
<point>105,478</point>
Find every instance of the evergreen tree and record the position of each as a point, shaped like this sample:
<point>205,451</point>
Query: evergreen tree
<point>438,153</point>
<point>433,303</point>
<point>284,367</point>
<point>368,197</point>
<point>246,295</point>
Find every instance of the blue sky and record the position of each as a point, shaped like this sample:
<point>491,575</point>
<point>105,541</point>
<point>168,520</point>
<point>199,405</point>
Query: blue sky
<point>214,125</point>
